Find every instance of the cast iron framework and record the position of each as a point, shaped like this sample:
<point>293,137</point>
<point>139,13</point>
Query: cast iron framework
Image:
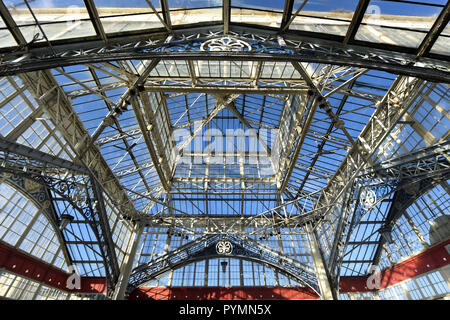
<point>48,180</point>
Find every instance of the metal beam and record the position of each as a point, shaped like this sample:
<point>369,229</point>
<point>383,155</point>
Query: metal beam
<point>226,15</point>
<point>302,131</point>
<point>156,133</point>
<point>122,102</point>
<point>49,161</point>
<point>437,28</point>
<point>356,21</point>
<point>83,193</point>
<point>122,283</point>
<point>396,102</point>
<point>222,103</point>
<point>157,86</point>
<point>327,292</point>
<point>244,121</point>
<point>287,24</point>
<point>146,130</point>
<point>205,248</point>
<point>295,50</point>
<point>95,19</point>
<point>391,109</point>
<point>46,91</point>
<point>223,180</point>
<point>11,25</point>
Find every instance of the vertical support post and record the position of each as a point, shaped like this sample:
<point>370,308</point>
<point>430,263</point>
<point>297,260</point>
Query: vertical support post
<point>445,272</point>
<point>206,272</point>
<point>226,16</point>
<point>125,272</point>
<point>326,291</point>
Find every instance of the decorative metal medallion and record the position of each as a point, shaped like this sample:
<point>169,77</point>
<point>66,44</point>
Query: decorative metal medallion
<point>224,247</point>
<point>32,186</point>
<point>368,199</point>
<point>225,44</point>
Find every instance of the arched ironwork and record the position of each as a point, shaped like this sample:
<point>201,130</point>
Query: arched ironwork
<point>223,245</point>
<point>46,177</point>
<point>212,44</point>
<point>404,178</point>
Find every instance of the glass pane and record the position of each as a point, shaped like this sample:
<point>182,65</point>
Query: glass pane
<point>398,23</point>
<point>265,18</point>
<point>195,15</point>
<point>401,15</point>
<point>277,5</point>
<point>324,16</point>
<point>6,39</point>
<point>380,34</point>
<point>385,12</point>
<point>441,46</point>
<point>120,7</point>
<point>47,11</point>
<point>321,25</point>
<point>342,10</point>
<point>131,22</point>
<point>69,29</point>
<point>191,4</point>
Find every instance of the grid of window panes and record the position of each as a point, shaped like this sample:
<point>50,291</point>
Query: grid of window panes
<point>423,214</point>
<point>431,285</point>
<point>384,22</point>
<point>16,287</point>
<point>25,227</point>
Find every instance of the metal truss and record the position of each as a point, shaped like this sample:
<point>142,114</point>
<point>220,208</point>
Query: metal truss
<point>187,45</point>
<point>39,173</point>
<point>57,106</point>
<point>153,140</point>
<point>209,246</point>
<point>289,154</point>
<point>406,178</point>
<point>427,161</point>
<point>267,222</point>
<point>389,111</point>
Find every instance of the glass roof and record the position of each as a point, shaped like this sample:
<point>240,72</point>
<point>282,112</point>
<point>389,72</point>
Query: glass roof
<point>165,149</point>
<point>398,23</point>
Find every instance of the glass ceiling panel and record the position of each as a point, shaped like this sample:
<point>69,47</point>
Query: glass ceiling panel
<point>59,19</point>
<point>120,7</point>
<point>257,12</point>
<point>324,16</point>
<point>6,39</point>
<point>277,5</point>
<point>193,4</point>
<point>398,23</point>
<point>194,11</point>
<point>130,22</point>
<point>441,46</point>
<point>190,16</point>
<point>119,16</point>
<point>265,18</point>
<point>47,11</point>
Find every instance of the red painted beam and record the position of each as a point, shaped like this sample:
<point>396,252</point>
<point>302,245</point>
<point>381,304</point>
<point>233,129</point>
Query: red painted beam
<point>222,293</point>
<point>435,257</point>
<point>27,266</point>
<point>32,268</point>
